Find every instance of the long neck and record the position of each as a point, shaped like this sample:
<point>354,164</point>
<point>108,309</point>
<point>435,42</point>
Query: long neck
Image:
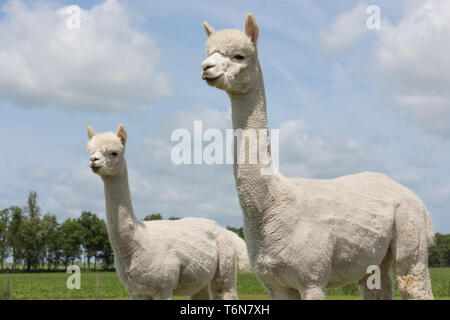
<point>249,109</point>
<point>121,221</point>
<point>249,114</point>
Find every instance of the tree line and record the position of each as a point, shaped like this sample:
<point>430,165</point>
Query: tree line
<point>36,242</point>
<point>439,253</point>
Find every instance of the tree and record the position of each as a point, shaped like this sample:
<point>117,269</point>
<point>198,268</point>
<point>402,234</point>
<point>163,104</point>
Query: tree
<point>439,253</point>
<point>15,234</point>
<point>153,216</point>
<point>4,243</point>
<point>174,218</point>
<point>71,241</point>
<point>445,249</point>
<point>106,253</point>
<point>434,257</point>
<point>52,241</point>
<point>91,237</point>
<point>238,231</point>
<point>33,238</point>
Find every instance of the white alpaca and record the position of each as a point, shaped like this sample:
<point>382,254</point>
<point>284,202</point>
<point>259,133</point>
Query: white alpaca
<point>304,235</point>
<point>157,259</point>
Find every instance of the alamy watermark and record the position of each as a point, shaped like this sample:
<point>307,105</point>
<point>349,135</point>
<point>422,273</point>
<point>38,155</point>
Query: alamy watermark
<point>252,147</point>
<point>374,280</point>
<point>74,281</point>
<point>374,20</point>
<point>73,22</point>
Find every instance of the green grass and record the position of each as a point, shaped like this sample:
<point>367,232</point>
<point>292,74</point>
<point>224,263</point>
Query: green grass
<point>53,286</point>
<point>440,282</point>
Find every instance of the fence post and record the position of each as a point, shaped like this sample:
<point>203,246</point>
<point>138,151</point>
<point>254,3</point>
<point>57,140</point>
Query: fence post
<point>11,297</point>
<point>97,280</point>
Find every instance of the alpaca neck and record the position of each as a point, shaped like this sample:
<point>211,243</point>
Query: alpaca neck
<point>249,113</point>
<point>121,221</point>
<point>249,109</point>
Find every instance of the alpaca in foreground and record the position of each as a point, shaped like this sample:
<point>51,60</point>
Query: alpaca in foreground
<point>157,259</point>
<point>304,235</point>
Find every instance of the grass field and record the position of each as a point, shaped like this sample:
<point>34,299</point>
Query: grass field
<point>53,286</point>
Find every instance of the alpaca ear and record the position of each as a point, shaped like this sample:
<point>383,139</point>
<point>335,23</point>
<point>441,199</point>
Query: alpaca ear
<point>122,133</point>
<point>90,132</point>
<point>209,30</point>
<point>251,27</point>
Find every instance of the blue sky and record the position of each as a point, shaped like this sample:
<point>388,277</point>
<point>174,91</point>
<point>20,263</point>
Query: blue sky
<point>346,99</point>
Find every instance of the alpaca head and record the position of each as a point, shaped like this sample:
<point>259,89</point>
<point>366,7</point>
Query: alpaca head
<point>232,63</point>
<point>107,151</point>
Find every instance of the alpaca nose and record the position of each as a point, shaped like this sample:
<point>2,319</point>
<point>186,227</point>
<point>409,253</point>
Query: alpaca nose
<point>207,65</point>
<point>94,158</point>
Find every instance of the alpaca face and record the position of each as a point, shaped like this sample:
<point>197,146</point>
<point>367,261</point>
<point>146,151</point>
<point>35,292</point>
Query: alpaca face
<point>107,151</point>
<point>232,63</point>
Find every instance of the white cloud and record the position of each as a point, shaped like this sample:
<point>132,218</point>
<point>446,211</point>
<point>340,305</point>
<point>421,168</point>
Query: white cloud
<point>303,153</point>
<point>345,30</point>
<point>107,64</point>
<point>411,59</point>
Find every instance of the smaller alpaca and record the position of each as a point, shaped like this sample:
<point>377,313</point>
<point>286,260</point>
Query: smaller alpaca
<point>158,259</point>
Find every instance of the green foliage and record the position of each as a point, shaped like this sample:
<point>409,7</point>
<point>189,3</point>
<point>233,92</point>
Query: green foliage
<point>106,252</point>
<point>52,240</point>
<point>37,241</point>
<point>153,216</point>
<point>4,243</point>
<point>32,235</point>
<point>174,218</point>
<point>93,236</point>
<point>15,234</point>
<point>439,253</point>
<point>71,242</point>
<point>238,231</point>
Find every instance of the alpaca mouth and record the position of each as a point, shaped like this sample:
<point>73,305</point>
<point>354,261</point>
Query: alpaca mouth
<point>210,78</point>
<point>95,168</point>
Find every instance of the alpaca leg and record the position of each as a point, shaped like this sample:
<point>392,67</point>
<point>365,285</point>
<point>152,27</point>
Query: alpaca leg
<point>163,295</point>
<point>414,282</point>
<point>288,294</point>
<point>386,291</point>
<point>223,285</point>
<point>411,253</point>
<point>313,293</point>
<point>137,297</point>
<point>221,294</point>
<point>203,294</point>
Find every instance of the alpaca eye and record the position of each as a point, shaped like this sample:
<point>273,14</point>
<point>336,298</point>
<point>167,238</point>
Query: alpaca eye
<point>239,57</point>
<point>114,154</point>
